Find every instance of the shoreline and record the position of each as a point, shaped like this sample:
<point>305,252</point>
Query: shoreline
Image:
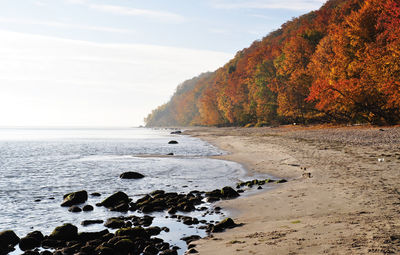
<point>350,205</point>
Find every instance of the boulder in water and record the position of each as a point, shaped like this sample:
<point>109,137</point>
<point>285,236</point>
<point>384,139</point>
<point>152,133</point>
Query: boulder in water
<point>131,175</point>
<point>75,198</point>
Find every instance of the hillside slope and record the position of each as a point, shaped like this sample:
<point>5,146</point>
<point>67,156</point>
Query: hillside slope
<point>338,64</point>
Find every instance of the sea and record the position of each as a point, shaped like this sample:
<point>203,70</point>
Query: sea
<point>39,165</point>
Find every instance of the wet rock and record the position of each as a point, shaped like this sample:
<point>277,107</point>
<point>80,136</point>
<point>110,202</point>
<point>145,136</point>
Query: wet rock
<point>65,232</point>
<point>95,194</point>
<point>169,252</point>
<point>104,250</point>
<point>224,224</point>
<point>75,209</point>
<point>259,187</point>
<point>28,243</point>
<point>133,232</point>
<point>114,223</point>
<point>51,243</point>
<point>190,239</point>
<point>170,154</point>
<point>192,251</point>
<point>90,222</point>
<point>30,253</point>
<point>87,208</point>
<point>131,175</point>
<point>176,132</point>
<point>172,142</point>
<point>115,199</point>
<point>228,192</point>
<point>87,236</point>
<point>153,231</point>
<point>75,198</point>
<point>8,238</point>
<point>165,229</point>
<point>46,252</point>
<point>212,199</point>
<point>150,250</point>
<point>281,181</point>
<point>124,245</point>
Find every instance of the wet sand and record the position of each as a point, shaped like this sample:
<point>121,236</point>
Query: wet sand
<point>350,205</point>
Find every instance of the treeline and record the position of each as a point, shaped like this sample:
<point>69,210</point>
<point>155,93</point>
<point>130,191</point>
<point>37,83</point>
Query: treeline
<point>338,64</point>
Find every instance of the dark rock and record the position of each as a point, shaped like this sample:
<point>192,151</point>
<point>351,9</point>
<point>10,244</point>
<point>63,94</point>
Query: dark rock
<point>75,209</point>
<point>150,250</point>
<point>46,252</point>
<point>28,243</point>
<point>37,235</point>
<point>75,198</point>
<point>87,236</point>
<point>239,191</point>
<point>114,223</point>
<point>224,224</point>
<point>170,154</point>
<point>191,245</point>
<point>95,194</point>
<point>87,208</point>
<point>228,192</point>
<point>169,252</point>
<point>191,251</point>
<point>8,238</point>
<point>176,132</point>
<point>51,243</point>
<point>133,232</point>
<point>165,229</point>
<point>259,187</point>
<point>153,231</point>
<point>212,199</point>
<point>131,175</point>
<point>30,253</point>
<point>65,232</point>
<point>281,181</point>
<point>90,222</point>
<point>115,199</point>
<point>37,200</point>
<point>172,142</point>
<point>190,239</point>
<point>104,250</point>
<point>124,245</point>
<point>123,207</point>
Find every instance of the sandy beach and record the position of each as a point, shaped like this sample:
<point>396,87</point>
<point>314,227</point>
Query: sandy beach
<point>343,194</point>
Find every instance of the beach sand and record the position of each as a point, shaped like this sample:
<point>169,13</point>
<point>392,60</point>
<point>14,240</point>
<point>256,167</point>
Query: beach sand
<point>350,205</point>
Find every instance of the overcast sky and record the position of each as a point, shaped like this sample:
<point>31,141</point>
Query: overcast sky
<point>110,62</point>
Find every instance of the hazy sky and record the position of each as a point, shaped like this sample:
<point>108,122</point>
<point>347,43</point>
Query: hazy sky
<point>110,62</point>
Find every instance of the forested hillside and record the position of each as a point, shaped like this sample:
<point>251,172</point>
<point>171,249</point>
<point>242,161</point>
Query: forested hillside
<point>338,64</point>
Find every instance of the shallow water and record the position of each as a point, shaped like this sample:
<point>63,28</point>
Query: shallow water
<point>39,166</point>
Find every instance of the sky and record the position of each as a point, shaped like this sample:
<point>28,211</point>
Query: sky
<point>110,62</point>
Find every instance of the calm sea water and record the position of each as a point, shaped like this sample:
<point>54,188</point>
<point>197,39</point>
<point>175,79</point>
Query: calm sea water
<point>39,166</point>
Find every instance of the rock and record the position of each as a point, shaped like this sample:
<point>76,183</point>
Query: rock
<point>114,223</point>
<point>104,250</point>
<point>169,252</point>
<point>150,250</point>
<point>190,239</point>
<point>87,236</point>
<point>124,245</point>
<point>75,209</point>
<point>46,252</point>
<point>95,194</point>
<point>259,187</point>
<point>191,251</point>
<point>65,232</point>
<point>8,238</point>
<point>30,253</point>
<point>176,132</point>
<point>170,154</point>
<point>153,231</point>
<point>131,175</point>
<point>87,208</point>
<point>281,181</point>
<point>133,232</point>
<point>52,243</point>
<point>228,192</point>
<point>28,243</point>
<point>172,142</point>
<point>75,198</point>
<point>115,199</point>
<point>224,224</point>
<point>90,222</point>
